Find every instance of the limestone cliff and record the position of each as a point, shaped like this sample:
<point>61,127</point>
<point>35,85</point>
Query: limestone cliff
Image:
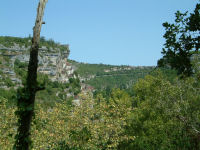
<point>52,60</point>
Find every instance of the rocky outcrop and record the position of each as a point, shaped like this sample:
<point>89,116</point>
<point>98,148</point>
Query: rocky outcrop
<point>52,61</point>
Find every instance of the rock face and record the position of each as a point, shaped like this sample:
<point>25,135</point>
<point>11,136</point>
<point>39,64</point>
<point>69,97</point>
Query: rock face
<point>52,61</point>
<point>55,65</point>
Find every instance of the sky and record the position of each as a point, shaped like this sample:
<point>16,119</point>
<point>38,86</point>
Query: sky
<point>117,32</point>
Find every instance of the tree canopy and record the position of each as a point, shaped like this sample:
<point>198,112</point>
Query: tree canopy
<point>182,39</point>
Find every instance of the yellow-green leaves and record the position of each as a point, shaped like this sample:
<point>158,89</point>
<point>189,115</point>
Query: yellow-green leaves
<point>7,125</point>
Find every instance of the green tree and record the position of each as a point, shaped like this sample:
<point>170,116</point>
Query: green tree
<point>182,39</point>
<point>166,115</point>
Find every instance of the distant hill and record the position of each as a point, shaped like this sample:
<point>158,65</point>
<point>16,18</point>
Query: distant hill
<point>101,76</point>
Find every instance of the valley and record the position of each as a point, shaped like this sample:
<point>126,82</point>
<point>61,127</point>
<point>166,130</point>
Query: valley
<point>65,79</point>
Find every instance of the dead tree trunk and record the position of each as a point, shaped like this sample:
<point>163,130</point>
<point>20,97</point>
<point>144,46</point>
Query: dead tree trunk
<point>26,96</point>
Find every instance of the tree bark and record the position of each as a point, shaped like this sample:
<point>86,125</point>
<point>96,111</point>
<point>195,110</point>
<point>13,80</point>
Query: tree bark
<point>26,96</point>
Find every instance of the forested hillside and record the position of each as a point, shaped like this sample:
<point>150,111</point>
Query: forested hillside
<point>102,76</point>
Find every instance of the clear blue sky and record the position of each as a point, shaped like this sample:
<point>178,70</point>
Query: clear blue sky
<point>118,32</point>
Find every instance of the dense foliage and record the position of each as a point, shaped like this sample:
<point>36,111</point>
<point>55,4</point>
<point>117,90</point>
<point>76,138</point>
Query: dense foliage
<point>182,40</point>
<point>102,76</point>
<point>160,115</point>
<point>167,116</point>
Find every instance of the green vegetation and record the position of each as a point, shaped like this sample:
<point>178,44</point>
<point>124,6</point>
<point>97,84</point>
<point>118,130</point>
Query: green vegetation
<point>101,76</point>
<point>74,85</point>
<point>53,92</point>
<point>142,108</point>
<point>160,115</point>
<point>8,41</point>
<point>117,79</point>
<point>166,115</point>
<point>50,44</point>
<point>182,40</point>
